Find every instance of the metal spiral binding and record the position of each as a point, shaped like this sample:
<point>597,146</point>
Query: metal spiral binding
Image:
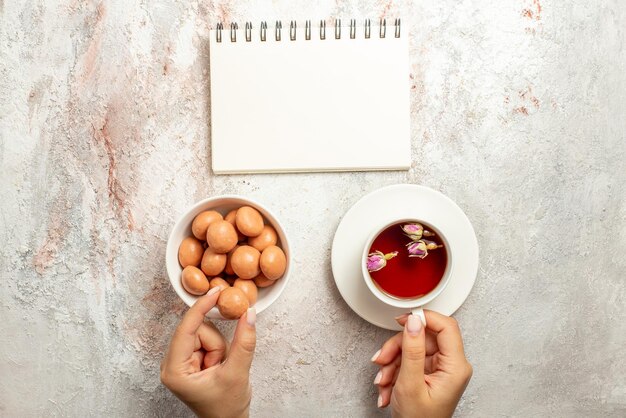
<point>218,32</point>
<point>307,30</point>
<point>248,31</point>
<point>233,32</point>
<point>292,30</point>
<point>279,28</point>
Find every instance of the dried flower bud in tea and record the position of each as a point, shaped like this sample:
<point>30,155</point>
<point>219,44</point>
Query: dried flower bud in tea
<point>413,231</point>
<point>417,249</point>
<point>377,260</point>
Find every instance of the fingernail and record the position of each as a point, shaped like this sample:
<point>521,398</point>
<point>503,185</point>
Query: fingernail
<point>379,376</point>
<point>414,324</point>
<point>213,290</point>
<point>400,316</point>
<point>251,316</point>
<point>380,401</point>
<point>375,356</point>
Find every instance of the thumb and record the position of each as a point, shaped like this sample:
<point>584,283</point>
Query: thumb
<point>242,348</point>
<point>411,374</point>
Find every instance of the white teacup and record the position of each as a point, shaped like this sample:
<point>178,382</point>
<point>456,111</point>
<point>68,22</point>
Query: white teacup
<point>413,305</point>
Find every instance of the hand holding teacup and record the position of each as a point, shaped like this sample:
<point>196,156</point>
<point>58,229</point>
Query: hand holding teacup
<point>423,370</point>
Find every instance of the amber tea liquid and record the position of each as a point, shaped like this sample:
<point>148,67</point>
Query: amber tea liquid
<point>407,277</point>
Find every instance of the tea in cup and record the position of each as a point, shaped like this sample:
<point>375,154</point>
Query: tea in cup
<point>406,263</point>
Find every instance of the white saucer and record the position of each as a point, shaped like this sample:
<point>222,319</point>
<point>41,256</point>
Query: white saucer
<point>402,201</point>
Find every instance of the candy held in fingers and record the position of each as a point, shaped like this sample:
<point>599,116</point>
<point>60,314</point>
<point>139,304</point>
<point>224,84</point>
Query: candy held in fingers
<point>249,221</point>
<point>212,263</point>
<point>232,303</point>
<point>194,281</point>
<point>248,288</point>
<point>261,281</point>
<point>266,238</point>
<point>245,262</point>
<point>273,262</point>
<point>221,236</point>
<point>202,221</point>
<point>190,252</point>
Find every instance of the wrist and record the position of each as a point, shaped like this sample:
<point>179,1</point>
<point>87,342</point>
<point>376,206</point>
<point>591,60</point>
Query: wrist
<point>219,412</point>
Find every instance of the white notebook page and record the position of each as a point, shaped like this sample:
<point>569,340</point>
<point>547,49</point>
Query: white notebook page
<point>309,105</point>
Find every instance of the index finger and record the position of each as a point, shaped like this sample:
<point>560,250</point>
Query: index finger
<point>393,347</point>
<point>195,315</point>
<point>184,339</point>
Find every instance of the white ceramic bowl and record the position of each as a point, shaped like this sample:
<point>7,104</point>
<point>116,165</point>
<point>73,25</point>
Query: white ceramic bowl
<point>223,204</point>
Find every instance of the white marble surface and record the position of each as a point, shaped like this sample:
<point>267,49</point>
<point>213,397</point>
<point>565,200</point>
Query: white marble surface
<point>517,114</point>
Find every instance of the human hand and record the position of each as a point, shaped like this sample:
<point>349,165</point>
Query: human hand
<point>200,369</point>
<point>423,370</point>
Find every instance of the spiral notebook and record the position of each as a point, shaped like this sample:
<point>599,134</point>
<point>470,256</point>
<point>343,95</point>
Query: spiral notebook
<point>309,97</point>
